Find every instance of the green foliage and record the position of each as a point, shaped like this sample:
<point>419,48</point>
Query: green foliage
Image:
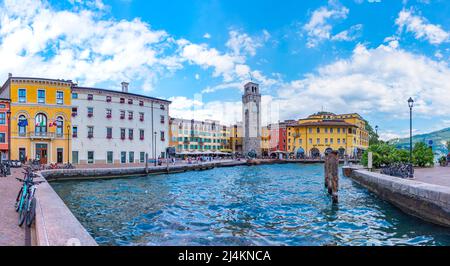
<point>373,136</point>
<point>422,155</point>
<point>448,145</point>
<point>385,154</point>
<point>442,160</point>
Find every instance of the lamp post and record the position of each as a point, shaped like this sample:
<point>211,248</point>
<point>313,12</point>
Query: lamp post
<point>376,130</point>
<point>68,143</point>
<point>9,134</point>
<point>154,146</point>
<point>410,104</point>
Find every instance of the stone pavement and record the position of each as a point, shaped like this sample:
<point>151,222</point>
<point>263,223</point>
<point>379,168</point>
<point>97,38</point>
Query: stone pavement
<point>10,233</point>
<point>437,175</point>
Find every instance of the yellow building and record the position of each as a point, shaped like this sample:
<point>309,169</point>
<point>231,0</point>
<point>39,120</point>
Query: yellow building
<point>236,140</point>
<point>324,131</point>
<point>265,141</point>
<point>40,118</point>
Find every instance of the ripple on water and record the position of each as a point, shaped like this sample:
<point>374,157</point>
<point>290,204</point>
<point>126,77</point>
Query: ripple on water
<point>264,205</point>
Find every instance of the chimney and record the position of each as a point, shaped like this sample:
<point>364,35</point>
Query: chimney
<point>124,86</point>
<point>9,75</point>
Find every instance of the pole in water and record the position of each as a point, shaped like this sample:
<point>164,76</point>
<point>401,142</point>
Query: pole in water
<point>325,170</point>
<point>334,175</point>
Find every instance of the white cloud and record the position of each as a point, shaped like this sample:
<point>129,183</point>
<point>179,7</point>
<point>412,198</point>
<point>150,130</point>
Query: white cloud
<point>319,26</point>
<point>207,36</point>
<point>421,28</point>
<point>197,76</point>
<point>80,45</point>
<point>348,35</point>
<point>241,43</point>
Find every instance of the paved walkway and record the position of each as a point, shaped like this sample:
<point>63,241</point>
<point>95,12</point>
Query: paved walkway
<point>436,175</point>
<point>10,233</point>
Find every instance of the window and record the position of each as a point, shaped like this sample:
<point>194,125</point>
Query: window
<point>326,140</point>
<point>339,130</point>
<point>339,141</point>
<point>75,157</point>
<point>343,141</point>
<point>59,97</point>
<point>108,99</point>
<point>141,103</point>
<point>331,130</point>
<point>162,136</point>
<point>59,126</point>
<point>318,130</point>
<point>90,131</point>
<point>2,137</point>
<point>162,107</point>
<point>123,157</point>
<point>109,157</point>
<point>22,95</point>
<point>23,122</point>
<point>90,97</point>
<point>131,157</point>
<point>90,159</point>
<point>130,101</point>
<point>318,141</point>
<point>326,130</point>
<point>2,118</point>
<point>141,134</point>
<point>40,125</point>
<point>122,100</point>
<point>130,115</point>
<point>122,133</point>
<point>310,130</point>
<point>90,111</point>
<point>142,157</point>
<point>108,113</point>
<point>162,119</point>
<point>130,133</point>
<point>41,96</point>
<point>109,132</point>
<point>141,116</point>
<point>74,95</point>
<point>74,111</point>
<point>122,114</point>
<point>74,131</point>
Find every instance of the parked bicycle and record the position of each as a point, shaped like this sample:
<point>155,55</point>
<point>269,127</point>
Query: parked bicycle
<point>25,201</point>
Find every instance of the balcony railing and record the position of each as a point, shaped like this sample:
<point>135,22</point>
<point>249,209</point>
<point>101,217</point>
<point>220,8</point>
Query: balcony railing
<point>42,135</point>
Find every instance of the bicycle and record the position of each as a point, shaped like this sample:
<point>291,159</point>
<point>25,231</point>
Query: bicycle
<point>25,202</point>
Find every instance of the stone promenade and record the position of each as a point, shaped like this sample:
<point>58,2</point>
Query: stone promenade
<point>436,175</point>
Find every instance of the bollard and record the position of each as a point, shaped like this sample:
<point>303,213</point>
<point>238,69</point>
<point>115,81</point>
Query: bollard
<point>346,160</point>
<point>325,170</point>
<point>146,163</point>
<point>333,167</point>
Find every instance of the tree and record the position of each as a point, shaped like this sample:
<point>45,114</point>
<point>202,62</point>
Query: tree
<point>373,136</point>
<point>383,154</point>
<point>422,155</point>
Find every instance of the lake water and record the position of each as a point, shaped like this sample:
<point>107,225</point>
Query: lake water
<point>283,204</point>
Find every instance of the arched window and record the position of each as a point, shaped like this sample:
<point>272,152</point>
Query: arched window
<point>22,125</point>
<point>40,125</point>
<point>59,126</point>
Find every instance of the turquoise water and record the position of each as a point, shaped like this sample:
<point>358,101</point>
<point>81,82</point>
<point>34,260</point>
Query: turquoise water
<point>282,204</point>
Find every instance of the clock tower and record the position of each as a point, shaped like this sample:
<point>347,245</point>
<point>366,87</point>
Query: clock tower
<point>251,119</point>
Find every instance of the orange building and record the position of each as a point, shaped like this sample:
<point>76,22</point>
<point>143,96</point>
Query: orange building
<point>4,125</point>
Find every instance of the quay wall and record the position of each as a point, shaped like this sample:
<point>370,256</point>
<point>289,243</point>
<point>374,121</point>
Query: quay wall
<point>428,202</point>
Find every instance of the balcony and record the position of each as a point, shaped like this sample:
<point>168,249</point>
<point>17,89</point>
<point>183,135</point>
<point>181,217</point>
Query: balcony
<point>130,118</point>
<point>90,115</point>
<point>108,116</point>
<point>42,135</point>
<point>122,116</point>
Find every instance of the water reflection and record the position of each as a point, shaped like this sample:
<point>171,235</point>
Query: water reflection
<point>260,205</point>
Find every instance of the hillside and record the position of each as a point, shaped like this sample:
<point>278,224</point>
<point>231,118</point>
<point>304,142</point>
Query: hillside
<point>439,139</point>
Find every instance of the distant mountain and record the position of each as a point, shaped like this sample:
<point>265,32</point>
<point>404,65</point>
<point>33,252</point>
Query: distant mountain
<point>439,139</point>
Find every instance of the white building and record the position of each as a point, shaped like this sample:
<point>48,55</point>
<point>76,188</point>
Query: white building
<point>251,119</point>
<point>115,127</point>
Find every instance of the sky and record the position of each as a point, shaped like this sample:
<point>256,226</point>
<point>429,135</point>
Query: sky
<point>364,56</point>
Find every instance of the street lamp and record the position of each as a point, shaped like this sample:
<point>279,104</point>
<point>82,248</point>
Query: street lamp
<point>376,130</point>
<point>9,134</point>
<point>68,143</point>
<point>410,104</point>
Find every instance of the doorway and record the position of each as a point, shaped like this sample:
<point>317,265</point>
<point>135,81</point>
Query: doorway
<point>41,153</point>
<point>59,155</point>
<point>22,155</point>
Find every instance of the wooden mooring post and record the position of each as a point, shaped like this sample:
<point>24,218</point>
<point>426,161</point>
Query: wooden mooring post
<point>331,171</point>
<point>146,163</point>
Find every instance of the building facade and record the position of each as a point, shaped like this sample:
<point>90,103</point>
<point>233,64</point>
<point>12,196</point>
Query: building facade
<point>188,135</point>
<point>278,140</point>
<point>117,127</point>
<point>265,141</point>
<point>236,140</point>
<point>251,119</point>
<point>4,125</point>
<point>40,118</point>
<point>322,132</point>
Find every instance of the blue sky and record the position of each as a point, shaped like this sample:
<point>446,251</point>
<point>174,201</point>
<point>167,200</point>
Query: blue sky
<point>364,56</point>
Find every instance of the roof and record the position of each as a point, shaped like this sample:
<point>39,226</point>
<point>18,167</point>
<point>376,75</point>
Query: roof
<point>324,123</point>
<point>121,92</point>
